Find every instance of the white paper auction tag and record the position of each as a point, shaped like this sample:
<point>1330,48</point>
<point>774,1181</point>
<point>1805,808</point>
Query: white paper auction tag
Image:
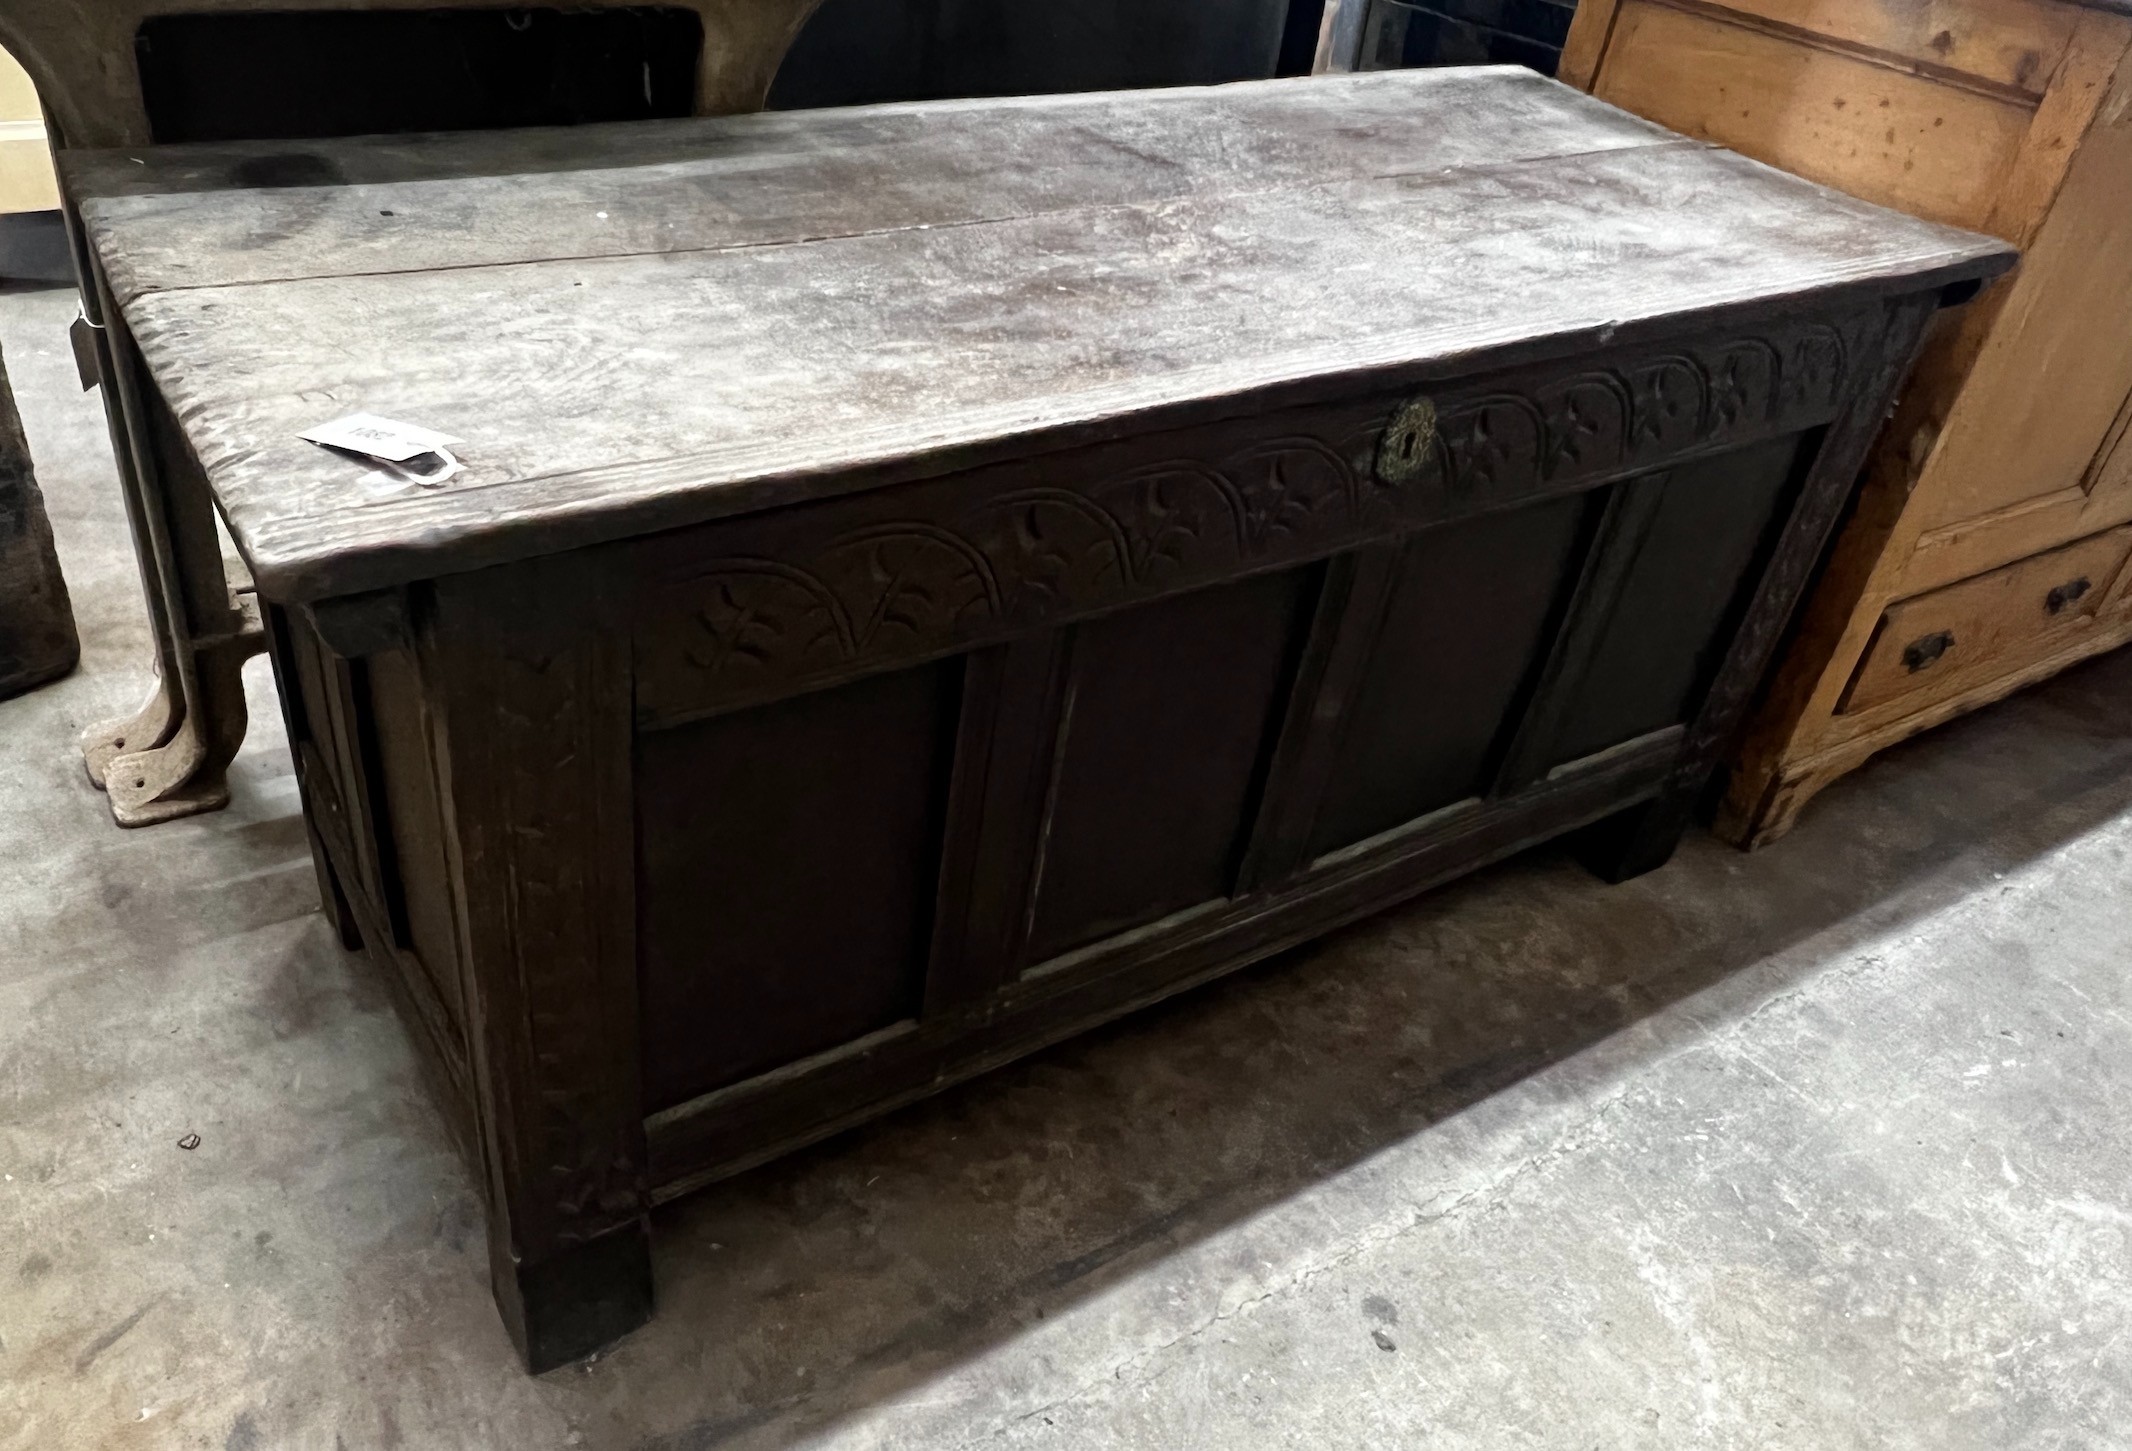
<point>406,454</point>
<point>380,438</point>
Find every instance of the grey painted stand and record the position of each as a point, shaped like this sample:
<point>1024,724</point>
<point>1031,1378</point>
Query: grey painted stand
<point>37,639</point>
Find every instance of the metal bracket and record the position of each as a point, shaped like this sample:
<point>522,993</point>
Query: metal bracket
<point>162,763</point>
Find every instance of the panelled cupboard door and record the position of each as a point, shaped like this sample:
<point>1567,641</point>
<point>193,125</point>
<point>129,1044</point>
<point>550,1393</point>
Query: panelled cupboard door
<point>2112,478</point>
<point>1965,111</point>
<point>2013,45</point>
<point>1862,120</point>
<point>2057,374</point>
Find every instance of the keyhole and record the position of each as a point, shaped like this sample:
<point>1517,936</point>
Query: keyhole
<point>1403,453</point>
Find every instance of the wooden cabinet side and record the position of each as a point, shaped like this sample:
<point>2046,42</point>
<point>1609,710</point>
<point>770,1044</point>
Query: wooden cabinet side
<point>2060,67</point>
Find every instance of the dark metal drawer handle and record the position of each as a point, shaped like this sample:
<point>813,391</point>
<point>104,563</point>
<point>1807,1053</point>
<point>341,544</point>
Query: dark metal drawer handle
<point>2065,594</point>
<point>1409,443</point>
<point>1923,652</point>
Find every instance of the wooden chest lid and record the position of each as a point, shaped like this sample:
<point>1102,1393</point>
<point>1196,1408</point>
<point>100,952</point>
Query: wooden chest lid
<point>641,326</point>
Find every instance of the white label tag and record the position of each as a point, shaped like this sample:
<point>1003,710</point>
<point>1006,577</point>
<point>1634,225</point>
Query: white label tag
<point>380,438</point>
<point>426,470</point>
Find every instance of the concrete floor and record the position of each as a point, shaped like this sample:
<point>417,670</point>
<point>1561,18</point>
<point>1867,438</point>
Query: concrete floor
<point>1823,1148</point>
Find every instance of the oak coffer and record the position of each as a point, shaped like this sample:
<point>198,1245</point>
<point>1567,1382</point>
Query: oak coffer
<point>927,579</point>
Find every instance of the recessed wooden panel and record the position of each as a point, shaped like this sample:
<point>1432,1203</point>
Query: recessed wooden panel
<point>1169,719</point>
<point>2014,43</point>
<point>1462,632</point>
<point>1882,134</point>
<point>336,742</point>
<point>2055,373</point>
<point>418,886</point>
<point>788,858</point>
<point>2111,478</point>
<point>1680,606</point>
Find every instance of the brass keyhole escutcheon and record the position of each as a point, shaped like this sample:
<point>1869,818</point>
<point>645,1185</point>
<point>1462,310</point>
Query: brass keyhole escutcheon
<point>1408,448</point>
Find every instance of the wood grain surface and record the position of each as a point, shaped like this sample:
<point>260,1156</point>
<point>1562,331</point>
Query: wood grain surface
<point>894,291</point>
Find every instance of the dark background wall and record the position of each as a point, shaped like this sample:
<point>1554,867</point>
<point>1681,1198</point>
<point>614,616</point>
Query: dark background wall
<point>1401,33</point>
<point>856,51</point>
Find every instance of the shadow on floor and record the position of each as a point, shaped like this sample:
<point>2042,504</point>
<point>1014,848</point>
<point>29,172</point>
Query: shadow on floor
<point>855,1272</point>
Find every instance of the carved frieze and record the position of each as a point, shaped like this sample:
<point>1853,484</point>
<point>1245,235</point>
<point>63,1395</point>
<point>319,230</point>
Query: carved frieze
<point>995,550</point>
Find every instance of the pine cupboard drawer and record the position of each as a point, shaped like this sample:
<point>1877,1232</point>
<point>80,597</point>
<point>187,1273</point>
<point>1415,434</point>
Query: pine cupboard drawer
<point>1955,633</point>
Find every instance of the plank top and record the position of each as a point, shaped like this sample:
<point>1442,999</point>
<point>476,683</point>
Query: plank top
<point>637,327</point>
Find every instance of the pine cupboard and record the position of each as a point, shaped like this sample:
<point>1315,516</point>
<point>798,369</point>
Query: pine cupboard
<point>1988,548</point>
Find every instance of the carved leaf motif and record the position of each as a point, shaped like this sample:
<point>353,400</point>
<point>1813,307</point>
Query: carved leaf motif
<point>1587,425</point>
<point>919,582</point>
<point>1670,395</point>
<point>758,616</point>
<point>1494,442</point>
<point>1743,386</point>
<point>1289,488</point>
<point>1175,518</point>
<point>1814,369</point>
<point>1053,550</point>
